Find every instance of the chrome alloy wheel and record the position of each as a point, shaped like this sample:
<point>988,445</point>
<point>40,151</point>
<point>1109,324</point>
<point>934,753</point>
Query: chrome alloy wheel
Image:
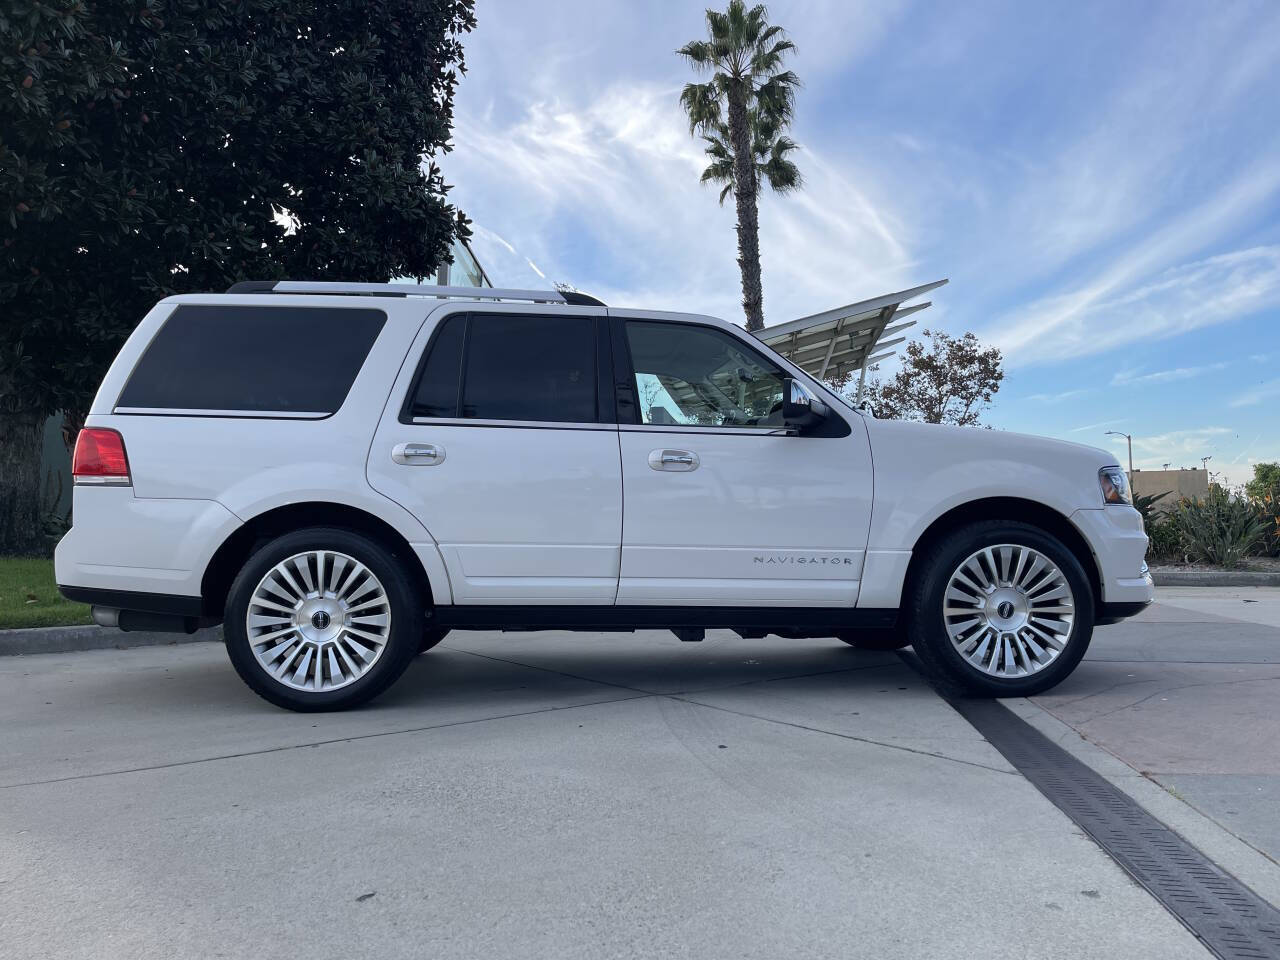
<point>1009,610</point>
<point>318,621</point>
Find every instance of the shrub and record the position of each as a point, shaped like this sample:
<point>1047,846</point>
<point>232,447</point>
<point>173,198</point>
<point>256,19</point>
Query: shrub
<point>1222,528</point>
<point>1145,504</point>
<point>1267,506</point>
<point>1165,545</point>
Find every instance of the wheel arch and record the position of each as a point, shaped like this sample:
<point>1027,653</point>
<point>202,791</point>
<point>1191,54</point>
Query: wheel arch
<point>244,540</point>
<point>1008,508</point>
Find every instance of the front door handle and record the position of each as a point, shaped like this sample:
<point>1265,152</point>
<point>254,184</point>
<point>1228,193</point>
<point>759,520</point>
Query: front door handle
<point>674,461</point>
<point>417,454</point>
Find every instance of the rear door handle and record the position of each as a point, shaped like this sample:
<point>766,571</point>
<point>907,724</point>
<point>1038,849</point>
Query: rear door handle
<point>674,461</point>
<point>417,454</point>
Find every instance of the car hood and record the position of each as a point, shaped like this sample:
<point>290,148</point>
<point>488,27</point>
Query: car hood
<point>971,442</point>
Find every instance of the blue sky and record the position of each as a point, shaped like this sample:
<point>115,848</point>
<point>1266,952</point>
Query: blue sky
<point>1099,181</point>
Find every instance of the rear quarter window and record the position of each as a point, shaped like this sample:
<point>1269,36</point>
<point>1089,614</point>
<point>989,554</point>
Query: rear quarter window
<point>253,359</point>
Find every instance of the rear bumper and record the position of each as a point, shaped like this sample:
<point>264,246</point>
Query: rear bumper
<point>163,603</point>
<point>132,611</point>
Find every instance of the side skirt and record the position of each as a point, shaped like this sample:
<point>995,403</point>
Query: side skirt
<point>789,621</point>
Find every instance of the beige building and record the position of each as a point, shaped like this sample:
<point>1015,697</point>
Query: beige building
<point>1177,483</point>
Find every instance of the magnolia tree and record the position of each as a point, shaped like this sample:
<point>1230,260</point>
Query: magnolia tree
<point>152,148</point>
<point>943,379</point>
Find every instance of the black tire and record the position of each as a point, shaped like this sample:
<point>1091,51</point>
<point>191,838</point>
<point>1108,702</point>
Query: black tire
<point>430,637</point>
<point>402,639</point>
<point>887,638</point>
<point>923,604</point>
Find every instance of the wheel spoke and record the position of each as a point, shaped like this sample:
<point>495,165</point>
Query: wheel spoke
<point>1008,610</point>
<point>318,621</point>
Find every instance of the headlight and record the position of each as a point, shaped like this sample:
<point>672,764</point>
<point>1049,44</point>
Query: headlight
<point>1115,485</point>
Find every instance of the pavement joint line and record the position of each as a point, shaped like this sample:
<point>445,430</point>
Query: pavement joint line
<point>1182,686</point>
<point>1064,737</point>
<point>683,697</point>
<point>321,743</point>
<point>1224,913</point>
<point>1193,663</point>
<point>662,693</point>
<point>836,733</point>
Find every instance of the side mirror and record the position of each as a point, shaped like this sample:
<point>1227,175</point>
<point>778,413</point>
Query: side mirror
<point>800,408</point>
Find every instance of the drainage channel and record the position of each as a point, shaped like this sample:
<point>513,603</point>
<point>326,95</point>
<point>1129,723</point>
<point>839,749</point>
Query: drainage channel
<point>1229,918</point>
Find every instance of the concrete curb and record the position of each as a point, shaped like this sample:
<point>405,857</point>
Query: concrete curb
<point>91,637</point>
<point>1213,578</point>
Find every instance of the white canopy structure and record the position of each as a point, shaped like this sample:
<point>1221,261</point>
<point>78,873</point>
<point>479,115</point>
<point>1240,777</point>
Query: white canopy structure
<point>849,338</point>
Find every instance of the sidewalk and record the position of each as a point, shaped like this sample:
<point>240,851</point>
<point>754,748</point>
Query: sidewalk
<point>1197,707</point>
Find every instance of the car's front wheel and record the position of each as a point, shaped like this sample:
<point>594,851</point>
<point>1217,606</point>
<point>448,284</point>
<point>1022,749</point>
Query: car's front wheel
<point>322,619</point>
<point>1003,609</point>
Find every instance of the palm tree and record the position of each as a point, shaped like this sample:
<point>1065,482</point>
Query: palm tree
<point>769,151</point>
<point>744,107</point>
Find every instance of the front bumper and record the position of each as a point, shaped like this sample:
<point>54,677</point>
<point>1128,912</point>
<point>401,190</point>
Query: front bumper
<point>1119,544</point>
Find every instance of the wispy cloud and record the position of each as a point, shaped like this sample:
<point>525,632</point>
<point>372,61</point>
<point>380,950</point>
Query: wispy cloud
<point>1108,313</point>
<point>1180,448</point>
<point>1098,426</point>
<point>1129,377</point>
<point>1058,397</point>
<point>622,169</point>
<point>1264,391</point>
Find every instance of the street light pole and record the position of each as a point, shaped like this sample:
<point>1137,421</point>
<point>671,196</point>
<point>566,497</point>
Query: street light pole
<point>1117,433</point>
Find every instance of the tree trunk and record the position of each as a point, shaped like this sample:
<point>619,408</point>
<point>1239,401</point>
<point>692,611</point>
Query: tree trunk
<point>744,194</point>
<point>21,527</point>
<point>72,424</point>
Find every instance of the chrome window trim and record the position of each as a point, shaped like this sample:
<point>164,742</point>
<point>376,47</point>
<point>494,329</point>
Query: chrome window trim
<point>530,424</point>
<point>770,431</point>
<point>239,414</point>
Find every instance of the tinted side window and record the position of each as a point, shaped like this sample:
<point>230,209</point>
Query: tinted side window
<point>530,368</point>
<point>253,359</point>
<point>436,394</point>
<point>693,376</point>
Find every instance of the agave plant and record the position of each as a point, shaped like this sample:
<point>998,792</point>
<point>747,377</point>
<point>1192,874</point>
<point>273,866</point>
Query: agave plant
<point>1145,505</point>
<point>1221,528</point>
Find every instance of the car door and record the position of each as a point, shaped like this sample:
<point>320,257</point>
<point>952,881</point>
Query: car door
<point>499,436</point>
<point>722,505</point>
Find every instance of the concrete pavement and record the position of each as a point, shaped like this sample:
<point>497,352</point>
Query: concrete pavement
<point>1188,694</point>
<point>572,795</point>
<point>551,795</point>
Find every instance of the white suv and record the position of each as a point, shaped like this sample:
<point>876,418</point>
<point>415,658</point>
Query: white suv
<point>342,473</point>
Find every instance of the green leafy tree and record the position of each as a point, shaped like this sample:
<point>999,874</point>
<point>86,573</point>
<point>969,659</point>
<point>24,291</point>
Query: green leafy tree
<point>1266,479</point>
<point>156,147</point>
<point>949,380</point>
<point>741,113</point>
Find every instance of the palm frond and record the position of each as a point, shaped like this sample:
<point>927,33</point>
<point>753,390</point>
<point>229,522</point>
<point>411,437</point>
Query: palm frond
<point>701,102</point>
<point>697,53</point>
<point>743,51</point>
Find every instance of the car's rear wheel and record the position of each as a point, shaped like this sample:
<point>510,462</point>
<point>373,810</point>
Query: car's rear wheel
<point>322,619</point>
<point>1003,609</point>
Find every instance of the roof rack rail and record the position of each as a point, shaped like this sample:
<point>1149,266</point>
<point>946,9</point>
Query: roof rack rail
<point>342,288</point>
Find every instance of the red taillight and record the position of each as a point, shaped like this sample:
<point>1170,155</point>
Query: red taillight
<point>100,457</point>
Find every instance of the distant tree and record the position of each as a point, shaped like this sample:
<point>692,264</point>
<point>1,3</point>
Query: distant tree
<point>165,146</point>
<point>745,106</point>
<point>1266,479</point>
<point>949,380</point>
